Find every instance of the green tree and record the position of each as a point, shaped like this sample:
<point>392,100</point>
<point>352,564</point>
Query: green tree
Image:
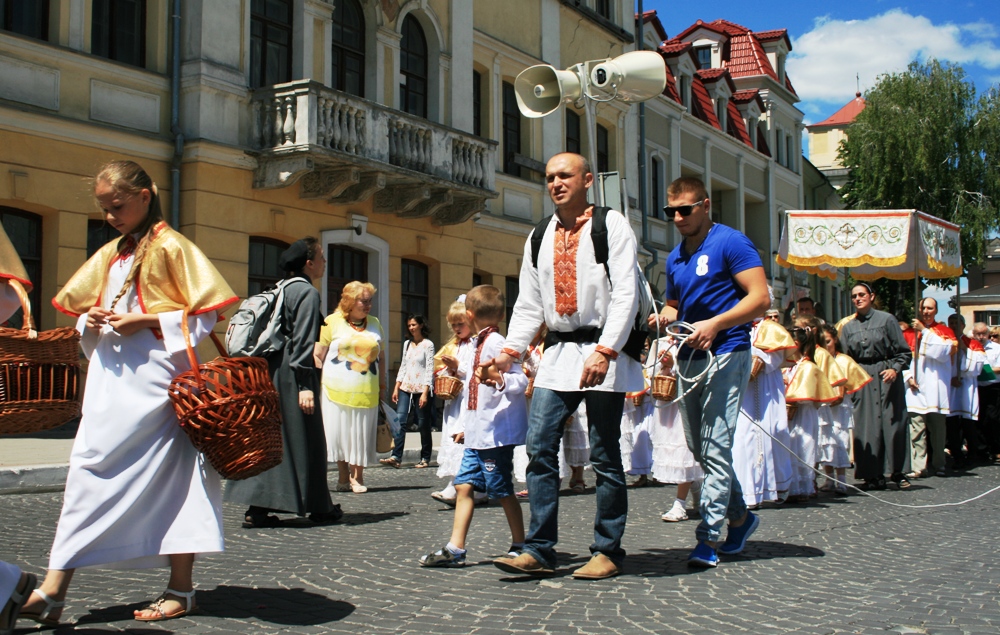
<point>925,141</point>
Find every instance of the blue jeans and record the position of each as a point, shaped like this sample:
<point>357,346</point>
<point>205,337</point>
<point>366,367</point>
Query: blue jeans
<point>549,411</point>
<point>424,415</point>
<point>709,413</point>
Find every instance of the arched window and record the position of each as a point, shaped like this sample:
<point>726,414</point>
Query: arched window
<point>348,48</point>
<point>264,271</point>
<point>413,67</point>
<point>25,232</point>
<point>270,42</point>
<point>343,264</point>
<point>118,30</point>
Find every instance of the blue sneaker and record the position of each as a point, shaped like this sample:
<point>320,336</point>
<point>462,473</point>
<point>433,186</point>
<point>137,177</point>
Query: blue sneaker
<point>703,556</point>
<point>737,537</point>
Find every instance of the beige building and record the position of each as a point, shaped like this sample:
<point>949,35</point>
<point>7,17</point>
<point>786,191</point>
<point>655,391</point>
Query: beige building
<point>386,128</point>
<point>825,138</point>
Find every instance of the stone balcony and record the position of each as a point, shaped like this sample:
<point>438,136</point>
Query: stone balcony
<point>346,149</point>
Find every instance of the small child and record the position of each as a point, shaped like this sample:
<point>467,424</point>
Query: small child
<point>497,421</point>
<point>835,441</point>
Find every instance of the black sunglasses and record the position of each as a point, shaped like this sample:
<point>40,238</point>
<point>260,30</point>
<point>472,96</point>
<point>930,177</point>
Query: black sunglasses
<point>683,210</point>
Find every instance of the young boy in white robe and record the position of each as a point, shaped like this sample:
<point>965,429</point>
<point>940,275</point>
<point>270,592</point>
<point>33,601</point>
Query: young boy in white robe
<point>496,423</point>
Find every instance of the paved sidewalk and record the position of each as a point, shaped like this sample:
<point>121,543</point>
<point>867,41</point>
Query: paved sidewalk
<point>39,462</point>
<point>833,566</point>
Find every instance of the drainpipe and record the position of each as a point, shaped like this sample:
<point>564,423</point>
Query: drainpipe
<point>175,107</point>
<point>649,247</point>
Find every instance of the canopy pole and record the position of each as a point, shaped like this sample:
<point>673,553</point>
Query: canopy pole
<point>914,232</point>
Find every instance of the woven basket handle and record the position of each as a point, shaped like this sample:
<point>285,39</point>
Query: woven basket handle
<point>190,348</point>
<point>22,296</point>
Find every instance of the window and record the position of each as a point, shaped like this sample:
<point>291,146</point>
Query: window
<point>99,233</point>
<point>684,88</point>
<point>513,287</point>
<point>413,66</point>
<point>511,130</point>
<point>572,131</point>
<point>602,149</point>
<point>270,42</point>
<point>348,61</point>
<point>25,232</point>
<point>655,194</point>
<point>118,30</point>
<point>704,55</point>
<point>343,264</point>
<point>790,152</point>
<point>721,105</point>
<point>26,17</point>
<point>604,8</point>
<point>779,146</point>
<point>264,271</point>
<point>414,291</point>
<point>477,279</point>
<point>477,103</point>
<point>990,318</point>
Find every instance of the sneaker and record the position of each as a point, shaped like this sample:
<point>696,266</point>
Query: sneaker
<point>676,514</point>
<point>703,556</point>
<point>737,537</point>
<point>443,557</point>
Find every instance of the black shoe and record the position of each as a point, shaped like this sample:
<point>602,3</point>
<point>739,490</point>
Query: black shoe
<point>261,521</point>
<point>328,518</point>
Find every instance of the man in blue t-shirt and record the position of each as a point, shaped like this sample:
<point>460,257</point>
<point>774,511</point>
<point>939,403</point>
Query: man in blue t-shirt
<point>715,283</point>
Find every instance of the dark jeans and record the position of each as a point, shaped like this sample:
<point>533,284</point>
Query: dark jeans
<point>549,410</point>
<point>406,401</point>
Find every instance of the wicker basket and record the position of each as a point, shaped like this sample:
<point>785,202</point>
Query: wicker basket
<point>229,409</point>
<point>447,387</point>
<point>664,387</point>
<point>638,399</point>
<point>791,409</point>
<point>39,378</point>
<point>758,365</point>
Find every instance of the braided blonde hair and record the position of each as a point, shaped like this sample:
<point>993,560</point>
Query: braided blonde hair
<point>128,178</point>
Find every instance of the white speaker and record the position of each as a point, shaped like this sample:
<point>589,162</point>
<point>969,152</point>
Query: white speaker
<point>541,89</point>
<point>631,77</point>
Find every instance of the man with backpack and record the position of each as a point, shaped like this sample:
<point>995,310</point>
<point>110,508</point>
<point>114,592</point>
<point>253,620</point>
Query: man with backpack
<point>579,280</point>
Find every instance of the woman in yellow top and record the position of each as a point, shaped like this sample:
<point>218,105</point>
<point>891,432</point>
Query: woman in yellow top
<point>350,353</point>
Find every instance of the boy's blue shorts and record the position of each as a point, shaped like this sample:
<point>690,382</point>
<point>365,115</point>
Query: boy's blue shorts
<point>488,470</point>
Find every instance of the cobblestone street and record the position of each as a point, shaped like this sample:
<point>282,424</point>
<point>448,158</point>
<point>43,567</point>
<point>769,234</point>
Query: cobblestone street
<point>837,565</point>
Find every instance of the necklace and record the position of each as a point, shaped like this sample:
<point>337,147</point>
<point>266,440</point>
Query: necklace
<point>359,326</point>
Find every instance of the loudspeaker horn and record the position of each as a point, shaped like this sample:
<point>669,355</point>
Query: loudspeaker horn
<point>541,89</point>
<point>631,77</point>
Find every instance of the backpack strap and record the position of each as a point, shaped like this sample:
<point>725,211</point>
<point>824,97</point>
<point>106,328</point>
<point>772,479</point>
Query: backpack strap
<point>599,236</point>
<point>537,234</point>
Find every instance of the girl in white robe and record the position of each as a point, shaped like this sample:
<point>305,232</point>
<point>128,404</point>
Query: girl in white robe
<point>138,494</point>
<point>835,439</point>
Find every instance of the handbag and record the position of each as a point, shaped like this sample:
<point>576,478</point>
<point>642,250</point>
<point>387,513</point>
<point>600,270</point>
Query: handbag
<point>383,435</point>
<point>229,409</point>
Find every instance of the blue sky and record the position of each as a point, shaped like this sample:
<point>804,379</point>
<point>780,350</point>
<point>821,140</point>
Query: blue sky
<point>832,42</point>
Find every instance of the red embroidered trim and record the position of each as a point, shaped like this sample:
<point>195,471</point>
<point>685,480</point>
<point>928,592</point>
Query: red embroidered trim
<point>566,242</point>
<point>512,353</point>
<point>474,380</point>
<point>604,350</point>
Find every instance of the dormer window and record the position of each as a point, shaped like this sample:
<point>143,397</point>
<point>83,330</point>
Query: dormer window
<point>684,89</point>
<point>704,55</point>
<point>781,69</point>
<point>721,111</point>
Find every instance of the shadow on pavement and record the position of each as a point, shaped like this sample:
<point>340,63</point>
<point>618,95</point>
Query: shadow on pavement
<point>395,488</point>
<point>671,562</point>
<point>290,607</point>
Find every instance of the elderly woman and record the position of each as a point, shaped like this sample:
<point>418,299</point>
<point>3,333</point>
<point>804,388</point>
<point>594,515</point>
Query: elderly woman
<point>350,353</point>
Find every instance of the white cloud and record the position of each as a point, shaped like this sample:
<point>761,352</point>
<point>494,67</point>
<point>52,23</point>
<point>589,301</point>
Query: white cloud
<point>824,61</point>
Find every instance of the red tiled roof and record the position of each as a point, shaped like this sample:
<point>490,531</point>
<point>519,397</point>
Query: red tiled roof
<point>845,115</point>
<point>747,58</point>
<point>650,17</point>
<point>712,75</point>
<point>671,88</point>
<point>702,106</point>
<point>747,95</point>
<point>762,142</point>
<point>711,26</point>
<point>674,47</point>
<point>730,28</point>
<point>772,35</point>
<point>737,125</point>
<point>788,85</point>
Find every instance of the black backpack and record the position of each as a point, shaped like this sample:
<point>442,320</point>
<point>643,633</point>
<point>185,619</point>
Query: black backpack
<point>599,236</point>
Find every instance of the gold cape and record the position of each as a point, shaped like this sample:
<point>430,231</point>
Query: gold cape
<point>809,383</point>
<point>857,378</point>
<point>11,267</point>
<point>772,337</point>
<point>451,348</point>
<point>844,321</point>
<point>175,274</point>
<point>829,366</point>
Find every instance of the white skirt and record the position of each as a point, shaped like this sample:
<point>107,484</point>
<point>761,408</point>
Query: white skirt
<point>636,445</point>
<point>350,432</point>
<point>576,438</point>
<point>673,462</point>
<point>804,430</point>
<point>835,437</point>
<point>450,454</point>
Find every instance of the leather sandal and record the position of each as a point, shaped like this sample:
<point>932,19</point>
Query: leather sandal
<point>16,601</point>
<point>42,617</point>
<point>157,605</point>
<point>390,462</point>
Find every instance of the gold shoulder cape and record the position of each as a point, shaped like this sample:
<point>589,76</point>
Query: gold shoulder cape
<point>808,383</point>
<point>830,368</point>
<point>772,337</point>
<point>857,378</point>
<point>451,348</point>
<point>844,321</point>
<point>175,274</point>
<point>11,267</point>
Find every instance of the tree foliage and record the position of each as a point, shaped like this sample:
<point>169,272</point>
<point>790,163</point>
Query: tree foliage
<point>925,141</point>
